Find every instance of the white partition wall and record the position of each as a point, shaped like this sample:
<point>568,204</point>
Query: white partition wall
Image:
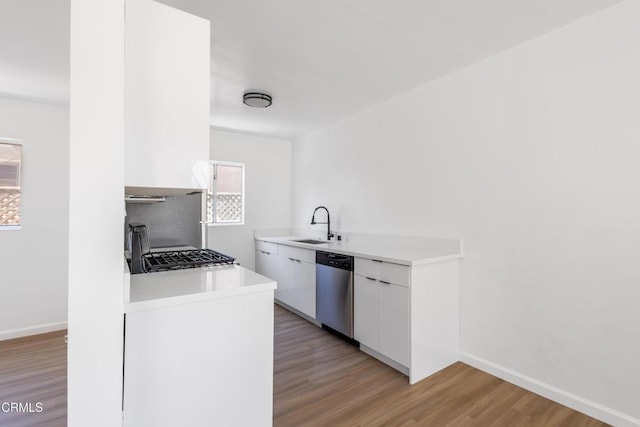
<point>34,300</point>
<point>96,210</point>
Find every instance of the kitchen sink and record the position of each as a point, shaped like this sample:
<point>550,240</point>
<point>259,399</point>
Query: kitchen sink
<point>310,241</point>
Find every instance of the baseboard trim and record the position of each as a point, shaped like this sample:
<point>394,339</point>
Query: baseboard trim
<point>32,330</point>
<point>593,409</point>
<point>298,312</point>
<point>384,359</point>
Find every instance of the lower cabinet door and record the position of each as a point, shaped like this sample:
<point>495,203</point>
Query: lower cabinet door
<point>260,261</point>
<point>267,265</point>
<point>305,288</point>
<point>394,322</point>
<point>365,307</point>
<point>286,280</point>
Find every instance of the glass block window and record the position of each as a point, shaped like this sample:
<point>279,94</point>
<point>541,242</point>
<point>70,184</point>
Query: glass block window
<point>225,198</point>
<point>10,164</point>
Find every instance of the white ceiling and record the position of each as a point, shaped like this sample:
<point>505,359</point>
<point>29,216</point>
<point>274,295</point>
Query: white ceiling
<point>321,60</point>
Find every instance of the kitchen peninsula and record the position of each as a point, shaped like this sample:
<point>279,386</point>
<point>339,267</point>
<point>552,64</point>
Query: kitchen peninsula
<point>193,355</point>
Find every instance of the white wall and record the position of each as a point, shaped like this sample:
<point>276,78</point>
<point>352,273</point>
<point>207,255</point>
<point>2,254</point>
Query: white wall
<point>531,157</point>
<point>267,190</point>
<point>96,212</point>
<point>33,259</point>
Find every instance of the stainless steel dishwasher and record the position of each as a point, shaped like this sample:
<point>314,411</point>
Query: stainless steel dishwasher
<point>334,291</point>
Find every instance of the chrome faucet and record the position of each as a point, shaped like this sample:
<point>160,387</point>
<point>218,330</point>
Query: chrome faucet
<point>313,221</point>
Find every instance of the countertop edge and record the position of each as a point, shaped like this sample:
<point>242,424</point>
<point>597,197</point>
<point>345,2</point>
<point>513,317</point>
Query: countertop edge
<point>433,260</point>
<point>158,303</point>
<point>287,240</point>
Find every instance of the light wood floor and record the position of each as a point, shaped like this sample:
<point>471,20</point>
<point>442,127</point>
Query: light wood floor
<point>319,380</point>
<point>34,369</point>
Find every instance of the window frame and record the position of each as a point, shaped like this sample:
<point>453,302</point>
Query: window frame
<point>17,142</point>
<point>212,192</point>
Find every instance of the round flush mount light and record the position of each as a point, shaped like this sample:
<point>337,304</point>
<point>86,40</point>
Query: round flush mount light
<point>257,99</point>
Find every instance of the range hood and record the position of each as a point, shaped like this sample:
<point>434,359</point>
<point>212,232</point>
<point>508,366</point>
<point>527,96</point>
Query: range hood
<point>155,194</point>
<point>144,199</point>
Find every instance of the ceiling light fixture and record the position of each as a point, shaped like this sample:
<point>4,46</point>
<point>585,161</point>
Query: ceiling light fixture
<point>257,99</point>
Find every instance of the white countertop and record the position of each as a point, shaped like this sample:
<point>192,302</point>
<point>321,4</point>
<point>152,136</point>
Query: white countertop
<point>167,288</point>
<point>398,250</point>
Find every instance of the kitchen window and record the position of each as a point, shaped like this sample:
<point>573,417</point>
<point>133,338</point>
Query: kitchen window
<point>10,165</point>
<point>225,198</point>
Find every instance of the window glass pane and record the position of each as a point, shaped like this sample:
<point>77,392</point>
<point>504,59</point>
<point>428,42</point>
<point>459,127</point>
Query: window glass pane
<point>9,175</point>
<point>229,179</point>
<point>226,198</point>
<point>229,193</point>
<point>10,160</point>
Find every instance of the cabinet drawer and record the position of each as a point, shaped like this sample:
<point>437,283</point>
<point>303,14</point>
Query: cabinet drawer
<point>306,255</point>
<point>272,248</point>
<point>384,271</point>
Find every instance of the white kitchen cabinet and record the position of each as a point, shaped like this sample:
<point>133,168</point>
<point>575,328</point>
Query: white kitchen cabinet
<point>297,274</point>
<point>393,304</point>
<point>267,262</point>
<point>384,271</point>
<point>366,319</point>
<point>166,96</point>
<point>286,280</point>
<point>407,316</point>
<point>406,310</point>
<point>381,317</point>
<point>204,363</point>
<point>295,271</point>
<point>305,291</point>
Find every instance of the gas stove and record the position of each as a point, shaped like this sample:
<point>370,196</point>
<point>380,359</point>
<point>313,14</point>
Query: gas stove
<point>182,259</point>
<point>144,260</point>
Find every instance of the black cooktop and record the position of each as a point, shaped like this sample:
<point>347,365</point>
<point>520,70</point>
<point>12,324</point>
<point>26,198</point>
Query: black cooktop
<point>178,260</point>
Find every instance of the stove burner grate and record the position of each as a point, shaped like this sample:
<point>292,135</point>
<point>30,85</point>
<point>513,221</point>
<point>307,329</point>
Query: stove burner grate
<point>178,260</point>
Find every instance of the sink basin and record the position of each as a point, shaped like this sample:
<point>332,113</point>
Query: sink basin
<point>310,241</point>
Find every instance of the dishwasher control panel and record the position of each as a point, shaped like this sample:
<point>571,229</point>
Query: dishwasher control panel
<point>343,262</point>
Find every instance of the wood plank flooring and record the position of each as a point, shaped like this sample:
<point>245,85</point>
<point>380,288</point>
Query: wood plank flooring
<point>34,369</point>
<point>320,380</point>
